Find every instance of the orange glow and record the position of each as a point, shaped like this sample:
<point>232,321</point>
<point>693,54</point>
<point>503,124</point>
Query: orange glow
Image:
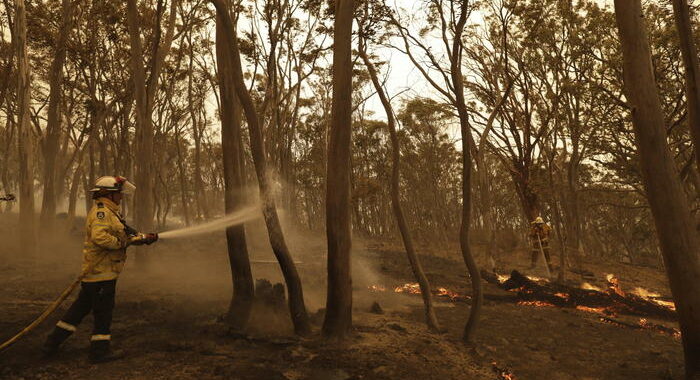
<point>535,303</point>
<point>410,288</point>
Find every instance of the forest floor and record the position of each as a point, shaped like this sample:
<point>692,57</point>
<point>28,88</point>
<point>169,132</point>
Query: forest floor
<point>167,319</point>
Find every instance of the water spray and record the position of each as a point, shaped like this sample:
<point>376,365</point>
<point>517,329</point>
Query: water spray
<point>238,217</point>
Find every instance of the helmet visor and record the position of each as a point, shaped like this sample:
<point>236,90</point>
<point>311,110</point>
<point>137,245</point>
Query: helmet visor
<point>128,188</point>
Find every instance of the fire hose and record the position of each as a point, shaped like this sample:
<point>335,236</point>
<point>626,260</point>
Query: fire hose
<point>54,305</point>
<point>544,258</point>
<point>50,309</point>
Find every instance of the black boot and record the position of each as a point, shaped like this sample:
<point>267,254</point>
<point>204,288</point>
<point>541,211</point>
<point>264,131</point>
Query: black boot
<point>100,352</point>
<point>54,340</point>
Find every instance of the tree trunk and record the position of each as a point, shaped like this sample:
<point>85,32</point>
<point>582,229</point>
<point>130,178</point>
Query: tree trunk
<point>338,319</point>
<point>483,177</point>
<point>144,96</point>
<point>234,182</point>
<point>200,193</point>
<point>73,195</point>
<point>144,175</point>
<point>421,278</point>
<point>529,201</point>
<point>678,240</point>
<point>183,180</point>
<point>27,233</point>
<point>297,307</point>
<point>689,51</point>
<point>53,125</point>
<point>458,83</point>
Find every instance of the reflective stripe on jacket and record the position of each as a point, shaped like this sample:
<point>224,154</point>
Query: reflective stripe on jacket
<point>105,242</point>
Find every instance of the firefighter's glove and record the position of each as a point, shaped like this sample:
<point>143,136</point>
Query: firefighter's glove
<point>138,239</point>
<point>129,231</point>
<point>141,239</point>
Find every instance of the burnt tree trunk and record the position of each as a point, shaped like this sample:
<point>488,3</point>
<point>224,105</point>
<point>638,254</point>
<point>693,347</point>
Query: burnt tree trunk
<point>234,183</point>
<point>297,307</point>
<point>338,320</point>
<point>416,267</point>
<point>669,206</point>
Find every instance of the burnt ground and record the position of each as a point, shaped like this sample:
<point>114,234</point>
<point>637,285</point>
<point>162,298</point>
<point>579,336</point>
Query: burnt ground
<point>167,319</point>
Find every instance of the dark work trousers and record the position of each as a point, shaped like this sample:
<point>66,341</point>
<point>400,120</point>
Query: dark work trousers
<point>97,297</point>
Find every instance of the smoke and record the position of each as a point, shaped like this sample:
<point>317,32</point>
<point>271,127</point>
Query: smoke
<point>238,217</point>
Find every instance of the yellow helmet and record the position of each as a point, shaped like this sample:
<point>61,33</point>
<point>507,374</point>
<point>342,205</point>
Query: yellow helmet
<point>538,220</point>
<point>114,183</point>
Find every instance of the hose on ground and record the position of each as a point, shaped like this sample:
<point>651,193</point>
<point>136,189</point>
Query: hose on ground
<point>50,309</point>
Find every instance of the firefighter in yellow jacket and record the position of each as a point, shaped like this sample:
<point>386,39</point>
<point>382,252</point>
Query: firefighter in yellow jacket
<point>104,253</point>
<point>539,236</point>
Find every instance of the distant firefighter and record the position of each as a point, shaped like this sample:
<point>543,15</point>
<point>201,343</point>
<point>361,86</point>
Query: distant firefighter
<point>104,252</point>
<point>539,239</point>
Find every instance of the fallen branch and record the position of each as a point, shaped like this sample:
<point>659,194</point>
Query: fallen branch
<point>610,302</point>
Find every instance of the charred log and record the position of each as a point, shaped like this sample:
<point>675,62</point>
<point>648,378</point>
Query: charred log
<point>610,302</point>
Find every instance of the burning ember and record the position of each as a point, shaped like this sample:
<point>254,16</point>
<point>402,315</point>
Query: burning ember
<point>414,289</point>
<point>564,296</point>
<point>595,310</point>
<point>442,292</point>
<point>645,324</point>
<point>410,288</point>
<point>535,303</point>
<point>502,373</point>
<point>376,288</point>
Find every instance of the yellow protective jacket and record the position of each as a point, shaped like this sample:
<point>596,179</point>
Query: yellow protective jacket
<point>104,250</point>
<point>543,230</point>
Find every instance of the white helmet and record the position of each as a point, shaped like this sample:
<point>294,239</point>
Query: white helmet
<point>538,220</point>
<point>114,183</point>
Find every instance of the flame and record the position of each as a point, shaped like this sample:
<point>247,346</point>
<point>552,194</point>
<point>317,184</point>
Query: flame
<point>644,293</point>
<point>442,292</point>
<point>651,296</point>
<point>414,288</point>
<point>410,288</point>
<point>537,279</point>
<point>587,286</point>
<point>535,303</point>
<point>667,304</point>
<point>502,278</point>
<point>377,288</point>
